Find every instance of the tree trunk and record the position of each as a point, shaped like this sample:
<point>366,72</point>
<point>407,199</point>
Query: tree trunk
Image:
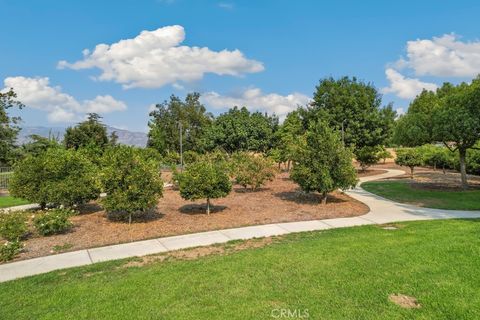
<point>411,172</point>
<point>434,166</point>
<point>463,167</point>
<point>208,206</point>
<point>443,168</point>
<point>288,166</point>
<point>324,198</point>
<point>130,218</point>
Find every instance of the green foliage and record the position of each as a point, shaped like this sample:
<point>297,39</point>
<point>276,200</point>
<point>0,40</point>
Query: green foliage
<point>171,158</point>
<point>90,132</point>
<point>56,177</point>
<point>54,221</point>
<point>384,154</point>
<point>190,157</point>
<point>8,127</point>
<point>367,156</point>
<point>131,180</point>
<point>355,104</point>
<point>168,118</point>
<point>473,161</point>
<point>13,225</point>
<point>323,164</point>
<point>436,157</point>
<point>287,137</point>
<point>204,180</point>
<point>252,170</point>
<point>240,130</point>
<point>409,157</point>
<point>38,144</point>
<point>10,250</point>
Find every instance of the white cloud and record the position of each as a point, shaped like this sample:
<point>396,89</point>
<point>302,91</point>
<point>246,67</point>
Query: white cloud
<point>255,99</point>
<point>444,56</point>
<point>155,58</point>
<point>226,5</point>
<point>405,88</point>
<point>37,93</point>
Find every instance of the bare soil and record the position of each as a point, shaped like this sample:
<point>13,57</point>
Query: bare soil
<point>279,201</point>
<point>404,301</point>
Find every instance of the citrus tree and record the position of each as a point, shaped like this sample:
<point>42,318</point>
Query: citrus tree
<point>409,157</point>
<point>131,179</point>
<point>252,170</point>
<point>204,180</point>
<point>323,164</point>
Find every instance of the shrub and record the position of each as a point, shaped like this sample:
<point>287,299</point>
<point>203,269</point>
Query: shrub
<point>171,158</point>
<point>323,164</point>
<point>204,180</point>
<point>56,177</point>
<point>252,170</point>
<point>190,157</point>
<point>132,182</point>
<point>10,250</point>
<point>53,221</point>
<point>367,156</point>
<point>409,157</point>
<point>384,154</point>
<point>13,226</point>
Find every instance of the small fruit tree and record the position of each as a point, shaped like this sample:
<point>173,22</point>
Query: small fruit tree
<point>367,156</point>
<point>204,180</point>
<point>131,179</point>
<point>55,177</point>
<point>409,157</point>
<point>252,170</point>
<point>323,164</point>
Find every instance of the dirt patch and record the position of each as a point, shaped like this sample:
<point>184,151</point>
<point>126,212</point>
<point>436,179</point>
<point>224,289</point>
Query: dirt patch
<point>370,172</point>
<point>279,201</point>
<point>195,253</point>
<point>404,301</point>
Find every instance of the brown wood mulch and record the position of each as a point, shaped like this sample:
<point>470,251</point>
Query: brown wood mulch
<point>279,201</point>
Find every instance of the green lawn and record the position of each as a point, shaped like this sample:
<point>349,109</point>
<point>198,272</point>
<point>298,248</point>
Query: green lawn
<point>334,274</point>
<point>401,191</point>
<point>9,201</point>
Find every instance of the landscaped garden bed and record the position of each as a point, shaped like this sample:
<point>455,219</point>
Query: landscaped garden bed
<point>278,201</point>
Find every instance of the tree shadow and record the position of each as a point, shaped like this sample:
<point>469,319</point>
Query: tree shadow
<point>194,209</point>
<point>137,217</point>
<point>249,190</point>
<point>88,208</point>
<point>301,197</point>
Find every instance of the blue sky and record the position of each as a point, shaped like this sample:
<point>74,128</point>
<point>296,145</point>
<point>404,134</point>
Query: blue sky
<point>284,48</point>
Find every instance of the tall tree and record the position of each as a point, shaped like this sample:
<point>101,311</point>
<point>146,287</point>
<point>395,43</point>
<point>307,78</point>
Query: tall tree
<point>8,127</point>
<point>89,133</point>
<point>240,130</point>
<point>354,106</point>
<point>169,118</point>
<point>457,121</point>
<point>288,135</point>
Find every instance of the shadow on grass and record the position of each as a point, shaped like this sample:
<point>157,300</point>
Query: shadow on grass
<point>193,209</point>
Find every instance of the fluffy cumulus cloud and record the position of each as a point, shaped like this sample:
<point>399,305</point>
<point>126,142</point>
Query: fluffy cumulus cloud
<point>37,93</point>
<point>255,99</point>
<point>444,56</point>
<point>155,58</point>
<point>403,87</point>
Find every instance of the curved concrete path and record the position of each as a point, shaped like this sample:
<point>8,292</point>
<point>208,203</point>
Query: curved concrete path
<point>381,211</point>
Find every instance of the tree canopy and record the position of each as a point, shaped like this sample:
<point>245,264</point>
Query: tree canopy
<point>8,127</point>
<point>89,133</point>
<point>356,105</point>
<point>168,118</point>
<point>238,129</point>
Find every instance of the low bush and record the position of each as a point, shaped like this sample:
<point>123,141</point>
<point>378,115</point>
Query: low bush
<point>384,154</point>
<point>10,250</point>
<point>13,226</point>
<point>53,221</point>
<point>252,170</point>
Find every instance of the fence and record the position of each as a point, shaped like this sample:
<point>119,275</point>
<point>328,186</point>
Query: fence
<point>5,175</point>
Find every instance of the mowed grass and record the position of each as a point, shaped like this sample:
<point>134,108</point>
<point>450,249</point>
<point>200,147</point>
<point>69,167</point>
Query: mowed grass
<point>9,201</point>
<point>402,191</point>
<point>334,274</point>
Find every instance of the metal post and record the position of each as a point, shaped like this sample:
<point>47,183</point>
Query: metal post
<point>181,145</point>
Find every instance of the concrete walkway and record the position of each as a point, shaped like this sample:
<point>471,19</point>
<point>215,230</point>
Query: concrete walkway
<point>381,211</point>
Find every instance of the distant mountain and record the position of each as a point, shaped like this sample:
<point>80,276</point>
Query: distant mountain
<point>127,137</point>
